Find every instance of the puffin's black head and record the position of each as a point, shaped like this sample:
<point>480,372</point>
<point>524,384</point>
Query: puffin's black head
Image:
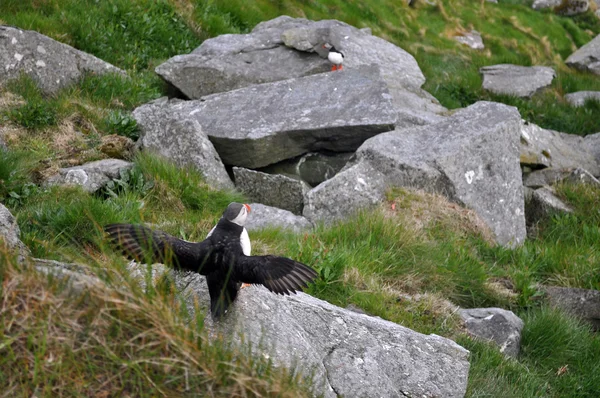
<point>331,48</point>
<point>237,213</point>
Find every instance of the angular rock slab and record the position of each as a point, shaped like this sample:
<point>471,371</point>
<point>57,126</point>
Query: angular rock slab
<point>551,176</point>
<point>358,187</point>
<point>543,203</point>
<point>548,148</point>
<point>578,98</point>
<point>10,234</point>
<point>592,143</point>
<point>587,57</point>
<point>51,64</point>
<point>271,189</point>
<point>259,125</point>
<point>184,143</point>
<point>583,303</point>
<point>520,81</point>
<point>91,176</point>
<point>262,216</point>
<point>472,158</point>
<point>495,324</point>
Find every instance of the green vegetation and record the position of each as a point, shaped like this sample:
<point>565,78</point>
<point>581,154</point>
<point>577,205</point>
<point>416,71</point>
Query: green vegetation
<point>414,245</point>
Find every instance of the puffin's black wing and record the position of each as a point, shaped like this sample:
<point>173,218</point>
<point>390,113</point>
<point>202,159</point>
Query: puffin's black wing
<point>222,290</point>
<point>144,245</point>
<point>280,275</point>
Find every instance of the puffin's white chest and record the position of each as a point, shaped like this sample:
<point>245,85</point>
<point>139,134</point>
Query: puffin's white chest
<point>244,241</point>
<point>335,58</point>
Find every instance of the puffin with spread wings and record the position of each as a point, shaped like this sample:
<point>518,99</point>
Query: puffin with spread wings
<point>223,257</point>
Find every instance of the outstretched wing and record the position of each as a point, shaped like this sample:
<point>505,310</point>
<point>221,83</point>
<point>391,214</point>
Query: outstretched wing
<point>144,245</point>
<point>280,275</point>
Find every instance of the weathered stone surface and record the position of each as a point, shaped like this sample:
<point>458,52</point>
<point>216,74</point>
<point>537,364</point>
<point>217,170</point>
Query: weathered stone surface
<point>543,203</point>
<point>542,4</point>
<point>53,65</point>
<point>583,303</point>
<point>182,141</point>
<point>471,158</point>
<point>592,143</point>
<point>563,7</point>
<point>331,111</point>
<point>10,234</point>
<point>548,148</point>
<point>520,81</point>
<point>357,187</point>
<point>472,39</point>
<point>578,98</point>
<point>587,57</point>
<point>271,189</point>
<point>495,324</point>
<point>91,176</point>
<point>551,176</point>
<point>263,216</point>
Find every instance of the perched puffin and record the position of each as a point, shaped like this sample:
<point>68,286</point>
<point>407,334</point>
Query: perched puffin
<point>336,57</point>
<point>220,257</point>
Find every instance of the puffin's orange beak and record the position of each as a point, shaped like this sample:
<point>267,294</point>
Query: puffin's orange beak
<point>247,207</point>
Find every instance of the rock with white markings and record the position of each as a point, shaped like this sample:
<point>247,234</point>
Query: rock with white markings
<point>91,176</point>
<point>501,326</point>
<point>520,81</point>
<point>51,64</point>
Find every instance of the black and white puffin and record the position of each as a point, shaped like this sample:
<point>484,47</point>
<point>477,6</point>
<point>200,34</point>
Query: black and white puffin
<point>221,257</point>
<point>336,57</point>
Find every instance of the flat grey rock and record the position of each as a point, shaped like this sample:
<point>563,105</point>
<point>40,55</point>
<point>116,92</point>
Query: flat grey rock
<point>51,64</point>
<point>10,234</point>
<point>263,216</point>
<point>331,111</point>
<point>587,58</point>
<point>578,98</point>
<point>543,4</point>
<point>472,39</point>
<point>542,204</point>
<point>91,176</point>
<point>498,325</point>
<point>520,81</point>
<point>185,144</point>
<point>583,303</point>
<point>548,148</point>
<point>271,189</point>
<point>471,157</point>
<point>355,188</point>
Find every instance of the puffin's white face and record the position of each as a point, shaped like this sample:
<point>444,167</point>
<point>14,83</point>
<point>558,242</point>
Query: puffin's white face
<point>240,219</point>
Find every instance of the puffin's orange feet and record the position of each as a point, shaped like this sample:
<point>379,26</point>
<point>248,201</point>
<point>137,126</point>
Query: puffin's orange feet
<point>340,67</point>
<point>245,285</point>
<point>333,67</point>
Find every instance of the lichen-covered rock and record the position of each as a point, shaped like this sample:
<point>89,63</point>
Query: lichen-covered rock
<point>501,326</point>
<point>520,81</point>
<point>51,64</point>
<point>91,176</point>
<point>587,57</point>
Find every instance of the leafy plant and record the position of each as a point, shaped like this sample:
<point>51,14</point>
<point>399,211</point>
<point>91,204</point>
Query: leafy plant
<point>131,180</point>
<point>122,123</point>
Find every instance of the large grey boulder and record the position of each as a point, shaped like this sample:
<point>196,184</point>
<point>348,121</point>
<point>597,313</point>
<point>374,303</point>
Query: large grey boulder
<point>51,64</point>
<point>10,234</point>
<point>543,203</point>
<point>271,189</point>
<point>263,216</point>
<point>498,325</point>
<point>578,98</point>
<point>332,111</point>
<point>583,303</point>
<point>472,158</point>
<point>91,176</point>
<point>358,187</point>
<point>587,57</point>
<point>185,144</point>
<point>520,81</point>
<point>548,148</point>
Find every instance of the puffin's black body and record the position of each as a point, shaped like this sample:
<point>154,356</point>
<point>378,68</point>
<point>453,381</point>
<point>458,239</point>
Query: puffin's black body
<point>220,257</point>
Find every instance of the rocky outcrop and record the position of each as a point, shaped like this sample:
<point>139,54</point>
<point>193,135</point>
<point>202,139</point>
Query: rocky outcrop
<point>547,148</point>
<point>263,216</point>
<point>10,234</point>
<point>472,39</point>
<point>551,176</point>
<point>286,48</point>
<point>578,98</point>
<point>271,189</point>
<point>91,176</point>
<point>587,57</point>
<point>583,303</point>
<point>184,143</point>
<point>332,111</point>
<point>51,64</point>
<point>471,158</point>
<point>497,325</point>
<point>520,81</point>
